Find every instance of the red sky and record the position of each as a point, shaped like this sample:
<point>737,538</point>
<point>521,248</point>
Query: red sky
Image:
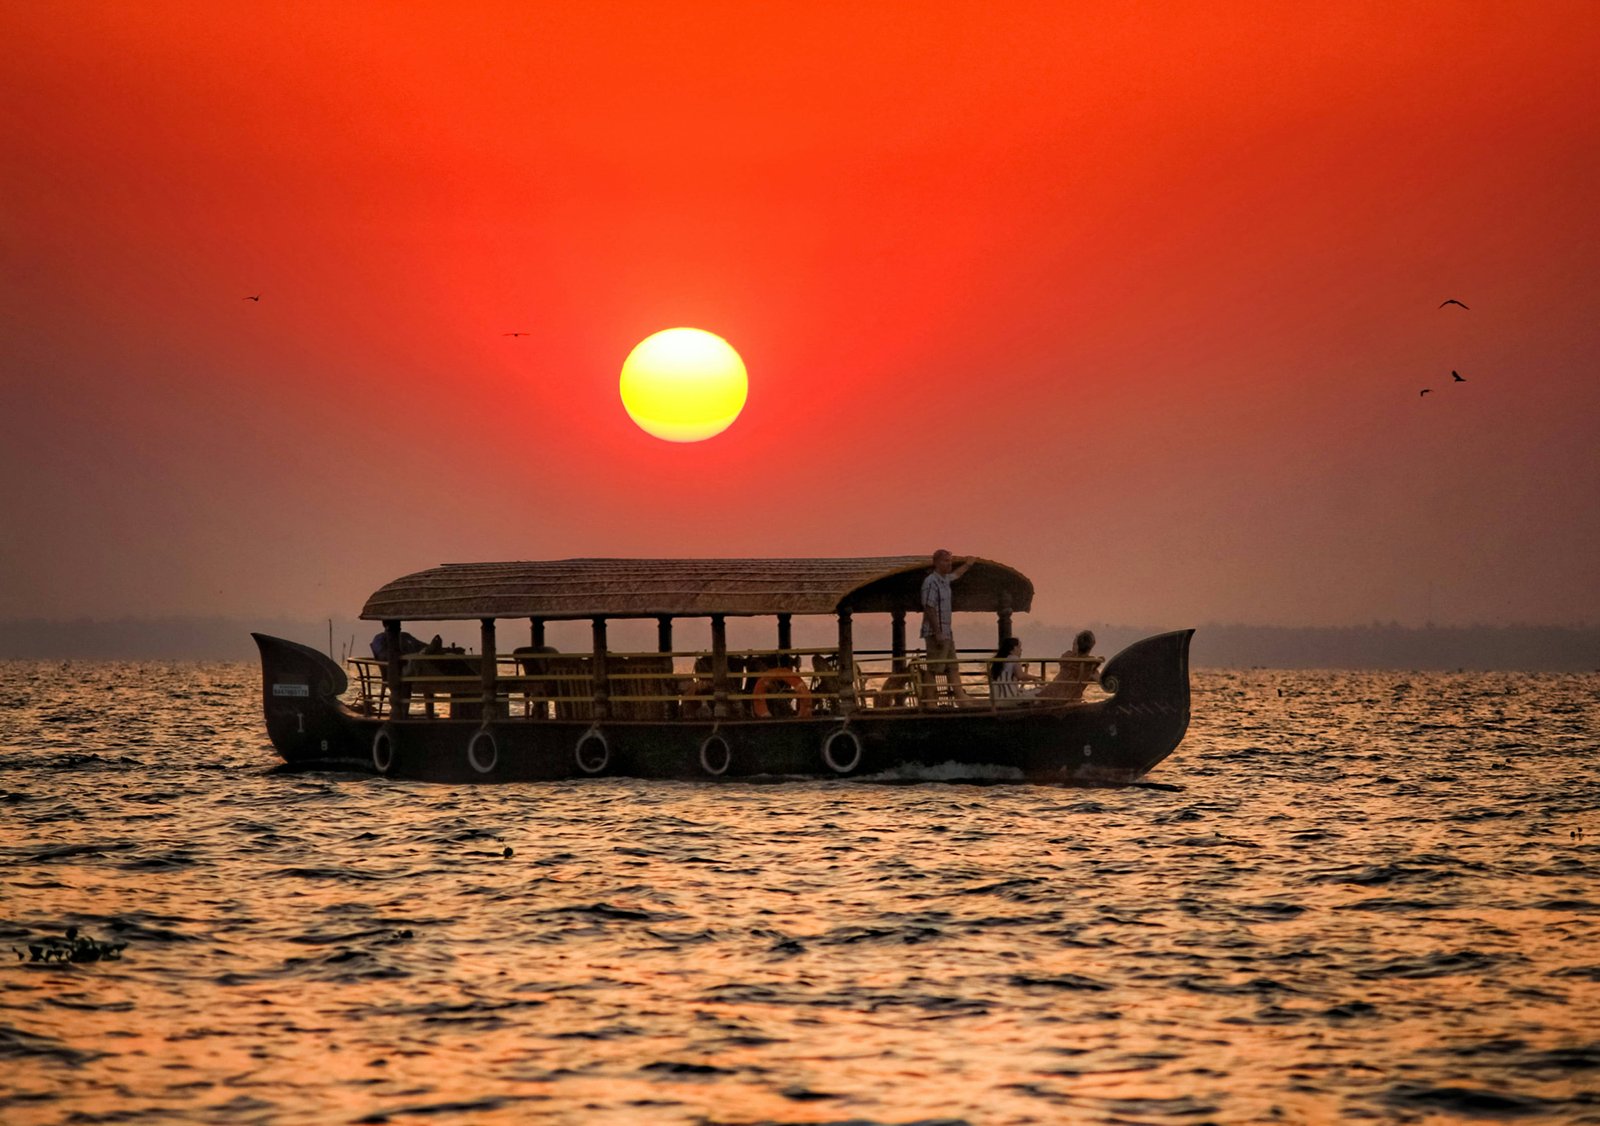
<point>1136,297</point>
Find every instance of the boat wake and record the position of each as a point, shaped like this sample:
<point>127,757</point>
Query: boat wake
<point>948,771</point>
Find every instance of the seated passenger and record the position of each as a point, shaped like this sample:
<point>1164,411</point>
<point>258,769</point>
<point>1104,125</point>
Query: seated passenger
<point>408,644</point>
<point>1008,675</point>
<point>697,690</point>
<point>898,690</point>
<point>825,681</point>
<point>533,661</point>
<point>530,658</point>
<point>1078,670</point>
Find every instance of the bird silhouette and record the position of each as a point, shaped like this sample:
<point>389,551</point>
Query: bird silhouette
<point>1451,301</point>
<point>256,297</point>
<point>516,334</point>
<point>1424,391</point>
<point>1457,376</point>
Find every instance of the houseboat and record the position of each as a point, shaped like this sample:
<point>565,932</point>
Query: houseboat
<point>527,712</point>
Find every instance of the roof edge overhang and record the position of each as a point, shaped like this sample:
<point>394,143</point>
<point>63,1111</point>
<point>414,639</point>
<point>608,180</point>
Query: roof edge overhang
<point>572,589</point>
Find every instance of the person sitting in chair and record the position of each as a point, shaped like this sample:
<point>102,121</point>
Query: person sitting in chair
<point>1008,675</point>
<point>408,645</point>
<point>696,691</point>
<point>825,683</point>
<point>1077,671</point>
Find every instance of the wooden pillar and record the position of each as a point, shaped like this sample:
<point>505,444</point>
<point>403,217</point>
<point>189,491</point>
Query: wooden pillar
<point>664,634</point>
<point>847,665</point>
<point>897,639</point>
<point>536,632</point>
<point>719,665</point>
<point>785,635</point>
<point>601,690</point>
<point>1005,618</point>
<point>488,670</point>
<point>398,704</point>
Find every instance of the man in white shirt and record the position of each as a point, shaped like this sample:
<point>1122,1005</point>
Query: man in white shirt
<point>937,638</point>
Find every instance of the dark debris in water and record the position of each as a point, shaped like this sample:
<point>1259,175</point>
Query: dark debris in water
<point>71,946</point>
<point>676,1067</point>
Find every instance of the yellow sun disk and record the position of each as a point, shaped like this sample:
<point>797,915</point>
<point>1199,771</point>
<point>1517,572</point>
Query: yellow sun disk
<point>684,385</point>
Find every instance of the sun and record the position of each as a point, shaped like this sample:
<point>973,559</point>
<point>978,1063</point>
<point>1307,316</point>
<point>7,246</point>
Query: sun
<point>684,385</point>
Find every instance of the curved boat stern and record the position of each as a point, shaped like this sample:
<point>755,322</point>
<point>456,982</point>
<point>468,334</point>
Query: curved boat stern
<point>1149,686</point>
<point>300,690</point>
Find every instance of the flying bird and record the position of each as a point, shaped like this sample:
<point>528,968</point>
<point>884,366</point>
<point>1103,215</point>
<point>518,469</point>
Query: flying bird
<point>1451,301</point>
<point>516,334</point>
<point>1424,391</point>
<point>1457,376</point>
<point>255,297</point>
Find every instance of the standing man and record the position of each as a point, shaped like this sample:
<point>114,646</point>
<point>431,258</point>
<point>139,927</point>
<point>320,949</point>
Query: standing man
<point>937,637</point>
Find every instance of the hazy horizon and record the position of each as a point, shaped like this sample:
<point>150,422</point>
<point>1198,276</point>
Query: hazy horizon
<point>1376,645</point>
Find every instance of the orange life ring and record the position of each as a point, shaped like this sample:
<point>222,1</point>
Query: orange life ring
<point>770,680</point>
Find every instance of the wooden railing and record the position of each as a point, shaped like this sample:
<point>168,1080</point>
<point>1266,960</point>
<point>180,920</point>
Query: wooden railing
<point>679,684</point>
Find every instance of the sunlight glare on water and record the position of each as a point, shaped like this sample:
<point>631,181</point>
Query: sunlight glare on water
<point>1364,896</point>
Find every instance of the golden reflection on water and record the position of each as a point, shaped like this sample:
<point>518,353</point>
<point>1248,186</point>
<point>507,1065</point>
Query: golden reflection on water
<point>1350,908</point>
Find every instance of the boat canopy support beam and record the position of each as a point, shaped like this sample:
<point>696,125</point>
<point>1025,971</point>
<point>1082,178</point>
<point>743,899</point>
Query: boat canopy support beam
<point>847,665</point>
<point>719,665</point>
<point>487,665</point>
<point>398,705</point>
<point>601,694</point>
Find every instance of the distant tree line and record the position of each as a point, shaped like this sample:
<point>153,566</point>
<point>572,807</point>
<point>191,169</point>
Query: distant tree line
<point>162,639</point>
<point>1375,646</point>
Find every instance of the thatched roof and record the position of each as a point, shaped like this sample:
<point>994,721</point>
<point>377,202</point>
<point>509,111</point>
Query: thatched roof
<point>643,588</point>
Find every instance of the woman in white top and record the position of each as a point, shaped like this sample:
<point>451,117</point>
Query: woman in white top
<point>1008,673</point>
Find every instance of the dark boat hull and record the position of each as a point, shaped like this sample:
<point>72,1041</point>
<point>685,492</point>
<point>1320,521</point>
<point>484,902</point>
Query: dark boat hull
<point>1105,742</point>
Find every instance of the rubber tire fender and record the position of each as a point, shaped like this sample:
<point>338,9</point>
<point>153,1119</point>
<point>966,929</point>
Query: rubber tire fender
<point>594,733</point>
<point>383,750</point>
<point>834,764</point>
<point>478,737</point>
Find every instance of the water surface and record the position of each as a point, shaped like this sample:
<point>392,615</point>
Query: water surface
<point>1363,896</point>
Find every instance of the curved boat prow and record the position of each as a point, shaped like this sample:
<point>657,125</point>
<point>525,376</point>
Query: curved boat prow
<point>1149,686</point>
<point>293,665</point>
<point>1156,665</point>
<point>300,690</point>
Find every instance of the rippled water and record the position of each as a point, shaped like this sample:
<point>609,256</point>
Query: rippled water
<point>1362,895</point>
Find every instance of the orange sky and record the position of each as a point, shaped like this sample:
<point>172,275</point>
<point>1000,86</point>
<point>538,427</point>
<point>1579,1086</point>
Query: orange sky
<point>1136,297</point>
